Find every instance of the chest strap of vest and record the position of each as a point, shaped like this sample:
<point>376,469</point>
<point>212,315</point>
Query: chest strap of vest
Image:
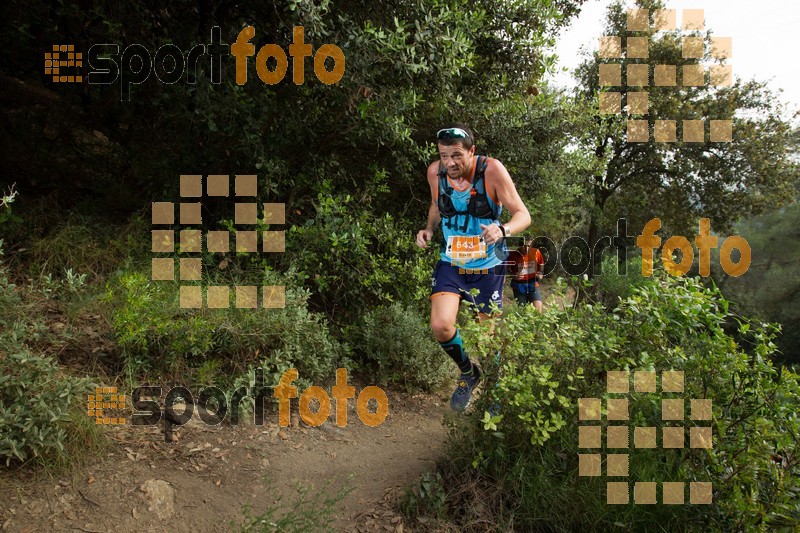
<point>478,187</point>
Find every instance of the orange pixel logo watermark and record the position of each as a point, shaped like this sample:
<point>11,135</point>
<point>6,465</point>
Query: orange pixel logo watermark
<point>618,438</point>
<point>105,398</point>
<point>191,242</point>
<point>55,63</point>
<point>134,65</point>
<point>639,71</point>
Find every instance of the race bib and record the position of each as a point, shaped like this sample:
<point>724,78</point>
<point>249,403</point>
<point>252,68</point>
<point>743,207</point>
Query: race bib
<point>527,269</point>
<point>465,247</point>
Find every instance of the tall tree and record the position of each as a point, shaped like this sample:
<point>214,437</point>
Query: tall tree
<point>347,159</point>
<point>679,182</point>
<point>408,66</point>
<point>770,290</point>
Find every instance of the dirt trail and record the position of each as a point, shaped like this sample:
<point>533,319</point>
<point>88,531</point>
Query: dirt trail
<point>201,482</point>
<point>214,471</point>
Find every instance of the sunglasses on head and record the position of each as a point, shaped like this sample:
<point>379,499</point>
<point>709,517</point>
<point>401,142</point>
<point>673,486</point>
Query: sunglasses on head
<point>452,133</point>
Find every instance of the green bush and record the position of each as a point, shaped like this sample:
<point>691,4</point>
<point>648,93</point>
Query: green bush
<point>155,334</point>
<point>523,463</point>
<point>355,260</point>
<point>428,499</point>
<point>9,296</point>
<point>617,281</point>
<point>42,417</point>
<point>396,343</point>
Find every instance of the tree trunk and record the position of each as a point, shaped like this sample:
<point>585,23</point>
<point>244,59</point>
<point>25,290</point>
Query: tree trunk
<point>593,230</point>
<point>595,217</point>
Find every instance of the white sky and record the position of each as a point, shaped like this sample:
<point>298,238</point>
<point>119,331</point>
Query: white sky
<point>766,39</point>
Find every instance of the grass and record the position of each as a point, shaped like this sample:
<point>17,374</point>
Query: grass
<point>46,245</point>
<point>83,444</point>
<point>312,510</point>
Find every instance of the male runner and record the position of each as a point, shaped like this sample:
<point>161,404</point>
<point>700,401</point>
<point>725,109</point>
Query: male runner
<point>527,270</point>
<point>467,194</point>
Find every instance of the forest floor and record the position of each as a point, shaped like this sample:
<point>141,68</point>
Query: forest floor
<point>202,481</point>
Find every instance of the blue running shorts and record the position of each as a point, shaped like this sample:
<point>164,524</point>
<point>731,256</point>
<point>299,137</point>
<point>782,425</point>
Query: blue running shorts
<point>526,292</point>
<point>458,280</point>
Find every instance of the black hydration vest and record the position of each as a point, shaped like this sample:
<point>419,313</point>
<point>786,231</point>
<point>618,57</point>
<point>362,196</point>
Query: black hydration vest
<point>478,203</point>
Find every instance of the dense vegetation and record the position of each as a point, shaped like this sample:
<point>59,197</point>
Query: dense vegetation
<point>78,307</point>
<point>520,468</point>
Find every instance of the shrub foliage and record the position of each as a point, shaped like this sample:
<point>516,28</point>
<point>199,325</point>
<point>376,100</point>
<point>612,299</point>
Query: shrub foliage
<point>524,461</point>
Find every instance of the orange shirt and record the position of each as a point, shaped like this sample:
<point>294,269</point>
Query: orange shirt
<point>527,261</point>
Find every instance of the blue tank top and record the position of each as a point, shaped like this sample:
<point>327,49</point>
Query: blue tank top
<point>457,247</point>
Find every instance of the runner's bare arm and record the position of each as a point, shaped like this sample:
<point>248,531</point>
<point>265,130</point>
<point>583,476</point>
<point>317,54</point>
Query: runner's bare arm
<point>499,182</point>
<point>424,236</point>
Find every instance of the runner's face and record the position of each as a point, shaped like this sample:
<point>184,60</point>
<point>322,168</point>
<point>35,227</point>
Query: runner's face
<point>456,160</point>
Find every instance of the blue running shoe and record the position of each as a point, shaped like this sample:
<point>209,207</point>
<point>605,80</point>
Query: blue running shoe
<point>463,392</point>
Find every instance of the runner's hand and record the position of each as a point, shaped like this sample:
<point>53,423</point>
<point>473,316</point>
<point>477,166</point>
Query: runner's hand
<point>424,236</point>
<point>491,233</point>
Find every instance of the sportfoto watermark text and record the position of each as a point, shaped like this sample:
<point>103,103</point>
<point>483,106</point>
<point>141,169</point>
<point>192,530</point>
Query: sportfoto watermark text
<point>169,64</point>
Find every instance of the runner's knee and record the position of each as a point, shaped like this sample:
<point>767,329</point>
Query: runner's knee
<point>442,329</point>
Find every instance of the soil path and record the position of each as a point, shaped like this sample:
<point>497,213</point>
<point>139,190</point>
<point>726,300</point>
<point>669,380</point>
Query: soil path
<point>201,482</point>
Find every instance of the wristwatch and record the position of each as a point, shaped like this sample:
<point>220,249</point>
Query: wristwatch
<point>506,231</point>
